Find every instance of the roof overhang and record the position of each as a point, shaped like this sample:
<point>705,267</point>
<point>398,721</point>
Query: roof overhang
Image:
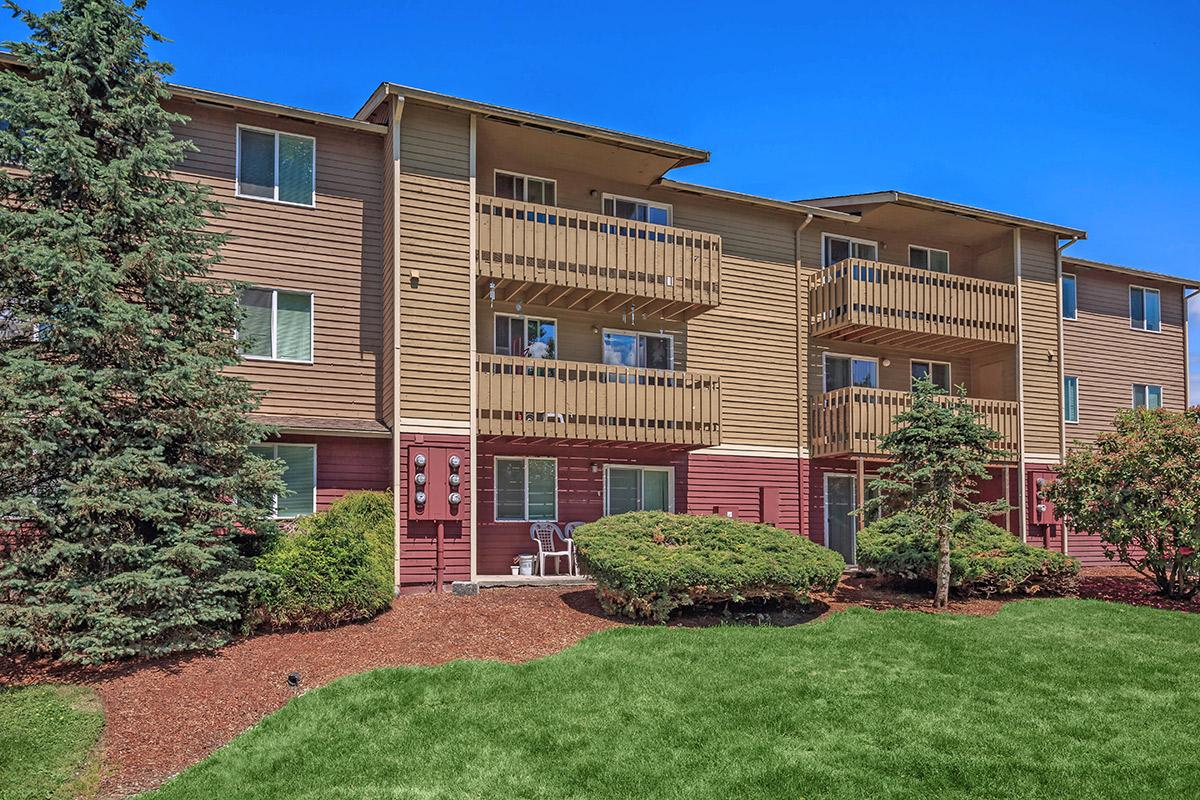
<point>755,200</point>
<point>971,212</point>
<point>683,156</point>
<point>1130,271</point>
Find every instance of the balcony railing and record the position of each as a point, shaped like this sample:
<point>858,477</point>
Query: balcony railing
<point>849,422</point>
<point>878,303</point>
<point>528,243</point>
<point>543,398</point>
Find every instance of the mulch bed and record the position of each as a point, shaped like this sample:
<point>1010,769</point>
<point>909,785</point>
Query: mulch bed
<point>165,715</point>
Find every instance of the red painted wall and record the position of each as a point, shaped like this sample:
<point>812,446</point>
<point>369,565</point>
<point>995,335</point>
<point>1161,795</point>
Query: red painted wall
<point>418,551</point>
<point>347,464</point>
<point>715,483</point>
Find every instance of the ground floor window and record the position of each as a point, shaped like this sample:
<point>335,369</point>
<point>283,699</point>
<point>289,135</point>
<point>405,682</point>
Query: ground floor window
<point>526,489</point>
<point>299,477</point>
<point>638,489</point>
<point>1147,396</point>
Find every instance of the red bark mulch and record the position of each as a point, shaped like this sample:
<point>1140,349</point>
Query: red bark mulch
<point>1124,585</point>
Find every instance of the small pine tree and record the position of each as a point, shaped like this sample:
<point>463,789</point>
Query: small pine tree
<point>123,442</point>
<point>940,449</point>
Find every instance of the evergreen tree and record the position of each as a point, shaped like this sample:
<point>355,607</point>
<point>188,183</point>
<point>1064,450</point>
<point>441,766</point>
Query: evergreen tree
<point>940,449</point>
<point>123,443</point>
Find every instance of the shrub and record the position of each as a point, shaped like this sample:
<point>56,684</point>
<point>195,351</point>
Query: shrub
<point>984,559</point>
<point>647,564</point>
<point>336,566</point>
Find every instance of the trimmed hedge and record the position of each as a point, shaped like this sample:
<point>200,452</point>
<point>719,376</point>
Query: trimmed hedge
<point>647,564</point>
<point>335,567</point>
<point>984,559</point>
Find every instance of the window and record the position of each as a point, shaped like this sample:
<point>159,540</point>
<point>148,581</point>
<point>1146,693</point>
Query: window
<point>1070,398</point>
<point>936,371</point>
<point>928,258</point>
<point>526,489</point>
<point>630,349</point>
<point>637,210</point>
<point>525,188</point>
<point>839,248</point>
<point>299,477</point>
<point>277,325</point>
<point>1144,309</point>
<point>638,489</point>
<point>526,336</point>
<point>1070,301</point>
<point>1147,395</point>
<point>275,166</point>
<point>845,371</point>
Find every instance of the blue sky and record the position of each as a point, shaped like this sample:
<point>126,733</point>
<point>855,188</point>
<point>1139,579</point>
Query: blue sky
<point>1087,114</point>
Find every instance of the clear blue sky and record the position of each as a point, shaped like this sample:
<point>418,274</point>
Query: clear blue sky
<point>1083,113</point>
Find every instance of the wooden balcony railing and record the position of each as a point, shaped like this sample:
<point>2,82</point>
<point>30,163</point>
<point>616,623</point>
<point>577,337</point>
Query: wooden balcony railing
<point>849,422</point>
<point>872,302</point>
<point>533,397</point>
<point>593,253</point>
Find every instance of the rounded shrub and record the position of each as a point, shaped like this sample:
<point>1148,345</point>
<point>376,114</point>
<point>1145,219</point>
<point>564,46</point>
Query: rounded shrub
<point>646,564</point>
<point>336,566</point>
<point>984,558</point>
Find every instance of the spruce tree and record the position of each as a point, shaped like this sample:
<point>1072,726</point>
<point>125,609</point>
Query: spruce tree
<point>941,448</point>
<point>123,443</point>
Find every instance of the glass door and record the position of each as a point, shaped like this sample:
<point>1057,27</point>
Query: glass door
<point>840,502</point>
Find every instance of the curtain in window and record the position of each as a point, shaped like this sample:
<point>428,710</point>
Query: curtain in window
<point>256,164</point>
<point>655,352</point>
<point>510,489</point>
<point>1071,398</point>
<point>623,490</point>
<point>656,490</point>
<point>299,478</point>
<point>254,337</point>
<point>295,169</point>
<point>294,327</point>
<point>542,488</point>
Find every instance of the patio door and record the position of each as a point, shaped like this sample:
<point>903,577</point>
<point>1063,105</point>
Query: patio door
<point>840,502</point>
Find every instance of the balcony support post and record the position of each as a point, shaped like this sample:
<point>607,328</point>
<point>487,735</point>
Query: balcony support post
<point>1008,524</point>
<point>861,489</point>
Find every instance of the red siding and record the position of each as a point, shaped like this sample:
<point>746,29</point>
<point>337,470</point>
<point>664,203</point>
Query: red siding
<point>721,483</point>
<point>347,464</point>
<point>418,539</point>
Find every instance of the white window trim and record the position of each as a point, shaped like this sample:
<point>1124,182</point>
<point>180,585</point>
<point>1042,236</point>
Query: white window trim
<point>825,368</point>
<point>496,173</point>
<point>525,512</point>
<point>312,327</point>
<point>949,369</point>
<point>668,207</point>
<point>669,337</point>
<point>1078,401</point>
<point>1162,397</point>
<point>1129,298</point>
<point>275,456</point>
<point>930,250</point>
<point>237,170</point>
<point>670,471</point>
<point>827,236</point>
<point>1075,278</point>
<point>525,332</point>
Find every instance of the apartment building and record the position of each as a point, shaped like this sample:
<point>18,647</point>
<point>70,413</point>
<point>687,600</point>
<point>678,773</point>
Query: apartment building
<point>507,318</point>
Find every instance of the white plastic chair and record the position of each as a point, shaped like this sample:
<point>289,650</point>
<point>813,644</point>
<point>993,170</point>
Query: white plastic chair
<point>544,534</point>
<point>569,537</point>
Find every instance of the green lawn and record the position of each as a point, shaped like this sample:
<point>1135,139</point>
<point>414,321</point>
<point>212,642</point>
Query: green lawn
<point>47,736</point>
<point>1049,699</point>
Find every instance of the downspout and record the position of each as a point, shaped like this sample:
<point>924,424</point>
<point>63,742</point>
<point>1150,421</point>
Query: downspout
<point>802,301</point>
<point>472,471</point>
<point>1021,499</point>
<point>397,111</point>
<point>1062,397</point>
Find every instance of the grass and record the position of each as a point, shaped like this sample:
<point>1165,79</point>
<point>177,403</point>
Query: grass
<point>48,736</point>
<point>1049,699</point>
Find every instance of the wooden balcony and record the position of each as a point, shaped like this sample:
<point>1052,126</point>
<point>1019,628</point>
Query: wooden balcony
<point>545,399</point>
<point>884,304</point>
<point>574,259</point>
<point>849,422</point>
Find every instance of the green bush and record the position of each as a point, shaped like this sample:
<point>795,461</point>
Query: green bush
<point>647,564</point>
<point>336,566</point>
<point>984,559</point>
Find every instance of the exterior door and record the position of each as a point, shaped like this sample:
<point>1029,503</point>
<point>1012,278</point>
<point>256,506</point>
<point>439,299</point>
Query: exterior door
<point>840,502</point>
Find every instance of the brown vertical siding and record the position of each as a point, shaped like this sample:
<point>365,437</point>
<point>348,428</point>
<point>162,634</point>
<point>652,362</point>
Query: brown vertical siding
<point>1109,357</point>
<point>333,250</point>
<point>1040,311</point>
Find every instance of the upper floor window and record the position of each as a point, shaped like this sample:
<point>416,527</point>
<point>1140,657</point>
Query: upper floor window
<point>299,477</point>
<point>631,349</point>
<point>1147,396</point>
<point>1070,301</point>
<point>525,188</point>
<point>632,208</point>
<point>1070,398</point>
<point>276,166</point>
<point>839,248</point>
<point>936,371</point>
<point>276,325</point>
<point>842,372</point>
<point>526,489</point>
<point>526,336</point>
<point>928,258</point>
<point>1144,313</point>
<point>638,489</point>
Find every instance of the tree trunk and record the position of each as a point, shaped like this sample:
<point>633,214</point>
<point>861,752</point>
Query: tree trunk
<point>942,598</point>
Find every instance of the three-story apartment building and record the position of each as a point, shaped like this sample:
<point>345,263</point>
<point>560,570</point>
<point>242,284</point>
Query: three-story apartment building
<point>506,318</point>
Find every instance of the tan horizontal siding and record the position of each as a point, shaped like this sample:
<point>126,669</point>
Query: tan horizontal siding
<point>1109,357</point>
<point>1040,312</point>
